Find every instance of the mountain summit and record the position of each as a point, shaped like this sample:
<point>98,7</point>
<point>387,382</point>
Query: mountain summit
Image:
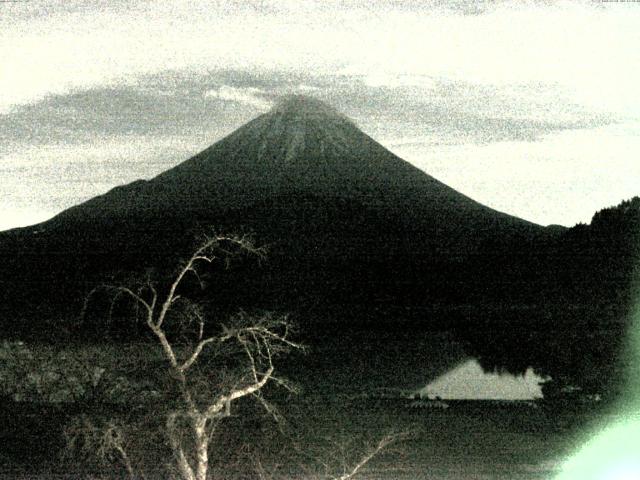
<point>298,107</point>
<point>301,127</point>
<point>297,135</point>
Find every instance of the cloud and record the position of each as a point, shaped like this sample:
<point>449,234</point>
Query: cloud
<point>381,79</point>
<point>416,110</point>
<point>590,50</point>
<point>159,106</point>
<point>444,112</point>
<point>252,96</point>
<point>304,88</point>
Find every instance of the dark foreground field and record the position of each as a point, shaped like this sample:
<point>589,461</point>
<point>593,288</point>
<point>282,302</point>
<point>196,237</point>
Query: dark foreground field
<point>467,440</point>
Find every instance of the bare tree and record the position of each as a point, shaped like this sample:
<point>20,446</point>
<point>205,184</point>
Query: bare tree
<point>202,403</point>
<point>208,367</point>
<point>342,461</point>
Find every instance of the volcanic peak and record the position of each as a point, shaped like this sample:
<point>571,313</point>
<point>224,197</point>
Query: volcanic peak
<point>300,127</point>
<point>302,110</point>
<point>298,105</point>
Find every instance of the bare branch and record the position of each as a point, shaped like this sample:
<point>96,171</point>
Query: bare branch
<point>136,297</point>
<point>113,439</point>
<point>279,338</point>
<point>201,254</point>
<point>251,360</point>
<point>176,282</point>
<point>120,290</point>
<point>196,353</point>
<point>286,384</point>
<point>367,457</point>
<point>114,300</point>
<point>154,295</point>
<point>200,326</point>
<point>222,402</point>
<point>202,257</point>
<point>272,410</point>
<point>166,346</point>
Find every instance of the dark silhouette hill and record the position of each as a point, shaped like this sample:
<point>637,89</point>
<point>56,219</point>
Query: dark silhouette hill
<point>358,240</point>
<point>337,208</point>
<point>578,293</point>
<point>301,148</point>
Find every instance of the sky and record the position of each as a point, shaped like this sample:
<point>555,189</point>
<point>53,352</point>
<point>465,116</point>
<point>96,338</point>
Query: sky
<point>530,107</point>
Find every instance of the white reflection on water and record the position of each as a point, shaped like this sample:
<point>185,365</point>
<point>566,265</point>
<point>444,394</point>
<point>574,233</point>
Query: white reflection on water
<point>468,381</point>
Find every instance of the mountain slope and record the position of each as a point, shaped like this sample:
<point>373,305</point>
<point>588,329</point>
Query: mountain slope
<point>352,228</point>
<point>302,147</point>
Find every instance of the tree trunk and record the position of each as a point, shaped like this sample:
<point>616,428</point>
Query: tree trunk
<point>186,472</point>
<point>183,465</point>
<point>202,448</point>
